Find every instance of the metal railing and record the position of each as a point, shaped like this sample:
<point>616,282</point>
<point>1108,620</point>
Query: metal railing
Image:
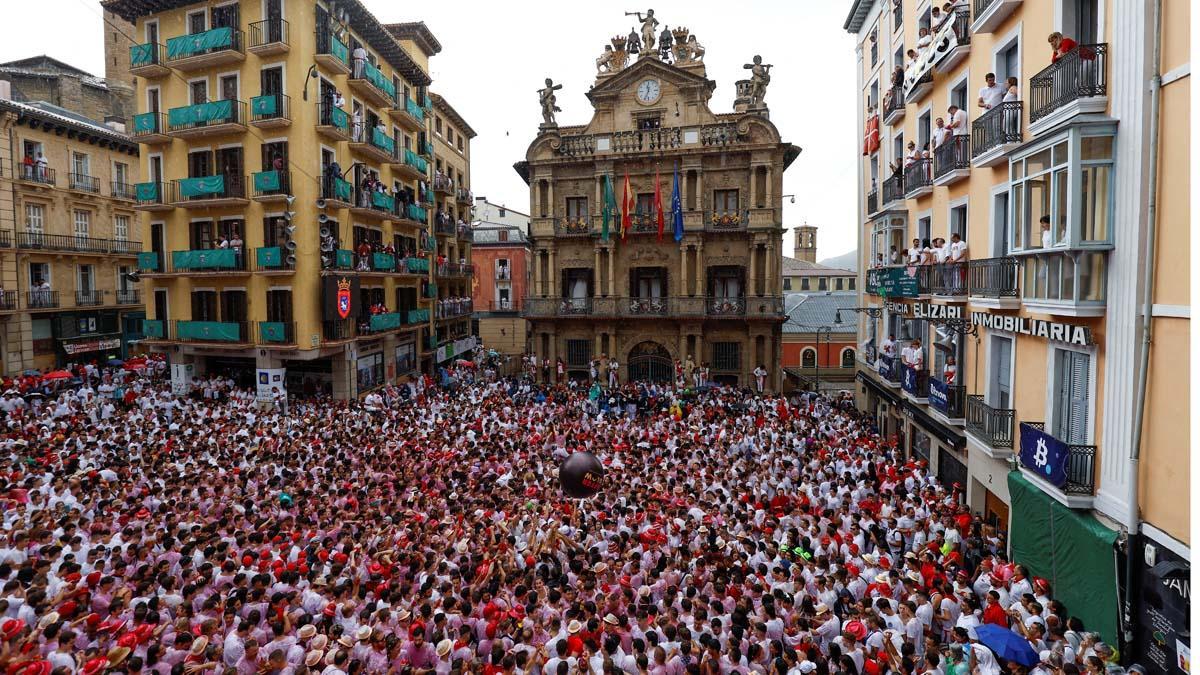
<point>237,115</point>
<point>329,115</point>
<point>464,196</point>
<point>982,6</point>
<point>448,309</point>
<point>993,425</point>
<point>921,88</point>
<point>917,175</point>
<point>895,102</point>
<point>893,189</point>
<point>646,306</point>
<point>83,182</point>
<point>994,277</point>
<point>268,31</point>
<point>503,273</point>
<point>89,298</point>
<point>275,333</point>
<point>889,369</point>
<point>8,301</point>
<point>281,185</point>
<point>962,26</point>
<point>123,190</point>
<point>442,183</point>
<point>210,261</point>
<point>71,242</point>
<point>1081,73</point>
<point>580,226</point>
<point>949,278</point>
<point>270,107</point>
<point>154,193</point>
<point>150,123</point>
<point>336,188</point>
<point>996,127</point>
<point>683,306</point>
<point>35,174</point>
<point>227,332</point>
<point>952,155</point>
<point>233,44</point>
<point>1080,465</point>
<point>146,54</point>
<point>232,187</point>
<point>873,200</point>
<point>648,140</point>
<point>336,331</point>
<point>41,299</point>
<point>925,277</point>
<point>129,296</point>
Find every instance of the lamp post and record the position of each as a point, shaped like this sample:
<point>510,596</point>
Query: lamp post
<point>828,330</point>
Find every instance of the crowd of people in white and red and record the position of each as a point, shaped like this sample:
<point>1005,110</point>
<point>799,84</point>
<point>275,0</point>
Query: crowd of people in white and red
<point>155,533</point>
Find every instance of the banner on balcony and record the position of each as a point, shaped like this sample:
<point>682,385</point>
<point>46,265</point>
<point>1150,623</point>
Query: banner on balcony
<point>341,189</point>
<point>141,55</point>
<point>383,261</point>
<point>1044,454</point>
<point>154,328</point>
<point>898,282</point>
<point>910,381</point>
<point>73,348</point>
<point>340,118</point>
<point>148,260</point>
<point>937,395</point>
<point>266,181</point>
<point>147,192</point>
<point>216,258</point>
<point>382,201</point>
<point>340,50</point>
<point>145,122</point>
<point>943,42</point>
<point>189,45</point>
<point>418,316</point>
<point>204,185</point>
<point>382,140</point>
<point>214,331</point>
<point>265,105</point>
<point>272,331</point>
<point>213,111</point>
<point>268,257</point>
<point>385,321</point>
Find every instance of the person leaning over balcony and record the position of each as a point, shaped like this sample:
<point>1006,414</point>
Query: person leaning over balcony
<point>1060,46</point>
<point>991,94</point>
<point>961,131</point>
<point>916,355</point>
<point>924,39</point>
<point>949,371</point>
<point>914,154</point>
<point>760,378</point>
<point>914,253</point>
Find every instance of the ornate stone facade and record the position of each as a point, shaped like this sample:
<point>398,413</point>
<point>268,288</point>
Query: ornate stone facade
<point>711,291</point>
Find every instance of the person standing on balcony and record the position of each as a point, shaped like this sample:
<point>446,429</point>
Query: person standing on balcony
<point>940,133</point>
<point>1060,46</point>
<point>41,166</point>
<point>614,370</point>
<point>914,253</point>
<point>360,59</point>
<point>991,94</point>
<point>962,131</point>
<point>888,346</point>
<point>949,371</point>
<point>916,355</point>
<point>958,255</point>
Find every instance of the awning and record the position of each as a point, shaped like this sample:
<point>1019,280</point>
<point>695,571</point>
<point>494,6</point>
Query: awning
<point>885,392</point>
<point>942,432</point>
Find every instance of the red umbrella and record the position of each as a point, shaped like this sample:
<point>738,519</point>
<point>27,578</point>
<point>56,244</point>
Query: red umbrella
<point>135,365</point>
<point>58,375</point>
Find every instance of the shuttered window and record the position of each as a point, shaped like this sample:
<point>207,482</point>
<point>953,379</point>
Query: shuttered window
<point>1071,420</point>
<point>1001,372</point>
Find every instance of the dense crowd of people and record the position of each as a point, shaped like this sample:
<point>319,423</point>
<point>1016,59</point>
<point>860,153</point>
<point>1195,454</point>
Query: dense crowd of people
<point>424,531</point>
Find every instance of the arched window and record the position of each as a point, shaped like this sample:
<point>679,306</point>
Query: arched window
<point>848,358</point>
<point>808,358</point>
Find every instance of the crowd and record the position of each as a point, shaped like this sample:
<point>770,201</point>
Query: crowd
<point>425,532</point>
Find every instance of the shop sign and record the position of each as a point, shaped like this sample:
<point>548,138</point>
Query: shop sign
<point>924,310</point>
<point>1047,330</point>
<point>73,348</point>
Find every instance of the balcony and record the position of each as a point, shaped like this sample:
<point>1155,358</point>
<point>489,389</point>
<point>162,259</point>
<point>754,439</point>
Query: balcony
<point>947,281</point>
<point>203,192</point>
<point>454,270</point>
<point>81,182</point>
<point>893,193</point>
<point>996,133</point>
<point>502,306</point>
<point>410,165</point>
<point>1071,483</point>
<point>269,37</point>
<point>276,333</point>
<point>339,260</point>
<point>962,31</point>
<point>382,322</point>
<point>210,262</point>
<point>375,263</point>
<point>993,282</point>
<point>893,107</point>
<point>271,111</point>
<point>151,128</point>
<point>125,191</point>
<point>412,214</point>
<point>214,118</point>
<point>650,141</point>
<point>465,233</point>
<point>337,192</point>
<point>408,114</point>
<point>40,241</point>
<point>915,384</point>
<point>129,296</point>
<point>338,331</point>
<point>740,308</point>
<point>89,298</point>
<point>8,301</point>
<point>442,184</point>
<point>272,186</point>
<point>369,83</point>
<point>725,307</point>
<point>946,400</point>
<point>418,266</point>
<point>148,60</point>
<point>1075,84</point>
<point>42,176</point>
<point>200,51</point>
<point>725,220</point>
<point>989,14</point>
<point>918,181</point>
<point>989,429</point>
<point>332,54</point>
<point>225,332</point>
<point>889,370</point>
<point>155,196</point>
<point>579,226</point>
<point>920,89</point>
<point>873,201</point>
<point>454,308</point>
<point>378,146</point>
<point>373,204</point>
<point>271,260</point>
<point>41,299</point>
<point>333,123</point>
<point>464,196</point>
<point>416,316</point>
<point>503,274</point>
<point>952,160</point>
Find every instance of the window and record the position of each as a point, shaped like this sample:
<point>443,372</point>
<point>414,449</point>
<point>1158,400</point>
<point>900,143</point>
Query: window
<point>725,200</point>
<point>35,218</point>
<point>437,125</point>
<point>460,144</point>
<point>822,284</point>
<point>1041,185</point>
<point>85,278</point>
<point>725,282</point>
<point>120,173</point>
<point>83,221</point>
<point>804,284</point>
<point>958,221</point>
<point>787,283</point>
<point>39,273</point>
<point>123,283</point>
<point>120,227</point>
<point>1072,406</point>
<point>449,135</point>
<point>839,284</point>
<point>808,359</point>
<point>873,95</point>
<point>370,371</point>
<point>649,122</point>
<point>923,130</point>
<point>851,284</point>
<point>80,164</point>
<point>198,90</point>
<point>727,356</point>
<point>958,96</point>
<point>579,352</point>
<point>847,358</point>
<point>924,225</point>
<point>576,208</point>
<point>645,203</point>
<point>999,394</point>
<point>1008,62</point>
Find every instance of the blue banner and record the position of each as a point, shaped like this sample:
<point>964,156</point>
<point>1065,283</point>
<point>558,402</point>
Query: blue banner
<point>885,368</point>
<point>910,381</point>
<point>1044,454</point>
<point>937,395</point>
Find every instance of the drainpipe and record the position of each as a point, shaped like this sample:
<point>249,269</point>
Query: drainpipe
<point>1133,520</point>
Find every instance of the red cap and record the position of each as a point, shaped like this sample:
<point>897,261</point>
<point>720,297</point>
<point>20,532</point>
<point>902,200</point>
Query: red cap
<point>330,610</point>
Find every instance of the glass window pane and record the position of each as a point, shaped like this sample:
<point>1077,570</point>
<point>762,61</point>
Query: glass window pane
<point>1039,205</point>
<point>1038,162</point>
<point>1096,147</point>
<point>1096,187</point>
<point>1017,168</point>
<point>1060,154</point>
<point>1092,272</point>
<point>1068,278</point>
<point>1031,277</point>
<point>1061,185</point>
<point>1017,219</point>
<point>1053,276</point>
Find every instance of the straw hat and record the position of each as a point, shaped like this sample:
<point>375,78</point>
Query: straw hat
<point>314,657</point>
<point>444,647</point>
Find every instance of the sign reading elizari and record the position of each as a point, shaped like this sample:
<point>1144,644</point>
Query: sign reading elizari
<point>924,310</point>
<point>1044,454</point>
<point>1049,330</point>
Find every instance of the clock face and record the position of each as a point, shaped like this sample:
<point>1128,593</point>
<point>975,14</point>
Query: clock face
<point>648,91</point>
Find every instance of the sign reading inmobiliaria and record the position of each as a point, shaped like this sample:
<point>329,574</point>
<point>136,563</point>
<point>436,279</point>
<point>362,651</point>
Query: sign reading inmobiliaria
<point>1047,330</point>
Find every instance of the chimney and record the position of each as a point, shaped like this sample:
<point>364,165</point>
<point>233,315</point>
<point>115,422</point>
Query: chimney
<point>5,90</point>
<point>116,123</point>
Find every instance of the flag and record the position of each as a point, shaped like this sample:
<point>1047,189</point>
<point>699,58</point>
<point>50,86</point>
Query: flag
<point>658,214</point>
<point>676,208</point>
<point>610,207</point>
<point>626,207</point>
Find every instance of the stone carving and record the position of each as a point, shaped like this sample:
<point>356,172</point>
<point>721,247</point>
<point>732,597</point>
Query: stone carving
<point>548,100</point>
<point>619,55</point>
<point>604,64</point>
<point>695,49</point>
<point>760,77</point>
<point>649,27</point>
<point>647,254</point>
<point>686,49</point>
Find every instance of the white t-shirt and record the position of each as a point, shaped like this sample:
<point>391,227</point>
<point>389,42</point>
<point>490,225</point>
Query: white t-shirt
<point>992,96</point>
<point>940,134</point>
<point>958,250</point>
<point>960,122</point>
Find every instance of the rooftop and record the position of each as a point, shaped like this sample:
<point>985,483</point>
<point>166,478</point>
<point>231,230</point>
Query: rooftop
<point>808,311</point>
<point>418,32</point>
<point>49,115</point>
<point>794,267</point>
<point>448,110</point>
<point>485,234</point>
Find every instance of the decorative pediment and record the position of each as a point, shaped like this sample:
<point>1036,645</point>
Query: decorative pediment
<point>629,76</point>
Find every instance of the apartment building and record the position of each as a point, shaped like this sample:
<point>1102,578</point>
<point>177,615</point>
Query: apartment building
<point>288,201</point>
<point>711,292</point>
<point>501,255</point>
<point>1018,372</point>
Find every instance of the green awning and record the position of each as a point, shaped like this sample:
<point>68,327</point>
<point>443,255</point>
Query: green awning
<point>213,111</point>
<point>265,106</point>
<point>1071,549</point>
<point>147,192</point>
<point>141,55</point>
<point>268,257</point>
<point>272,331</point>
<point>383,261</point>
<point>146,123</point>
<point>215,331</point>
<point>266,181</point>
<point>199,43</point>
<point>147,260</point>
<point>154,328</point>
<point>204,259</point>
<point>202,185</point>
<point>386,321</point>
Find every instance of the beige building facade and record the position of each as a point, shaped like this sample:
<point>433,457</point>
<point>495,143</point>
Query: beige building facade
<point>712,292</point>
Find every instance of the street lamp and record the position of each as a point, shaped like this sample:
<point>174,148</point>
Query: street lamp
<point>828,330</point>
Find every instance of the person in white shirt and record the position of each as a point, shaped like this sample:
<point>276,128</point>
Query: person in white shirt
<point>889,345</point>
<point>991,94</point>
<point>940,133</point>
<point>914,253</point>
<point>917,356</point>
<point>958,121</point>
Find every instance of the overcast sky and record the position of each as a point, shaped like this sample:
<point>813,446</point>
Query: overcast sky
<point>496,54</point>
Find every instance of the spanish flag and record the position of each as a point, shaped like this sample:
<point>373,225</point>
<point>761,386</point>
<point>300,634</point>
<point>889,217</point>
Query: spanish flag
<point>627,206</point>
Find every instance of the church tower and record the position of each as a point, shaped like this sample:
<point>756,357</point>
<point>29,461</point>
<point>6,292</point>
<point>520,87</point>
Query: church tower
<point>806,243</point>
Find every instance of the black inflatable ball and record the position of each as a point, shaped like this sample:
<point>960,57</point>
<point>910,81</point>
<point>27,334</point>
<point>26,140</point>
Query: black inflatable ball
<point>581,475</point>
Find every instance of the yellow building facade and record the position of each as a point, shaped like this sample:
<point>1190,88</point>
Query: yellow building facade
<point>1067,182</point>
<point>287,202</point>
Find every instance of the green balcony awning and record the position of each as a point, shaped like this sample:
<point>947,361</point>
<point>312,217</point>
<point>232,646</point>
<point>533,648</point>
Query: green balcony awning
<point>214,331</point>
<point>342,189</point>
<point>345,259</point>
<point>202,185</point>
<point>272,331</point>
<point>205,259</point>
<point>145,123</point>
<point>386,321</point>
<point>383,201</point>
<point>265,106</point>
<point>148,260</point>
<point>199,43</point>
<point>141,55</point>
<point>383,261</point>
<point>213,111</point>
<point>268,257</point>
<point>383,141</point>
<point>267,181</point>
<point>147,192</point>
<point>154,328</point>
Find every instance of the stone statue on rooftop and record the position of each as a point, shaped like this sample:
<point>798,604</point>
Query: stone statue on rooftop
<point>760,77</point>
<point>649,27</point>
<point>548,100</point>
<point>604,64</point>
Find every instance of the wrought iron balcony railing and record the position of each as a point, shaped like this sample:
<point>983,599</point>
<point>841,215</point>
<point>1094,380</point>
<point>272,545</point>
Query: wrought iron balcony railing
<point>1081,73</point>
<point>993,425</point>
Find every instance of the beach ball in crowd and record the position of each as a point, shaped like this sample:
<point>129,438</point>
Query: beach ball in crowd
<point>581,475</point>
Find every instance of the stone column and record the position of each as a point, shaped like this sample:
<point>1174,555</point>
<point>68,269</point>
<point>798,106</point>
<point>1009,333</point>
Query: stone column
<point>596,352</point>
<point>753,289</point>
<point>537,272</point>
<point>551,271</point>
<point>553,355</point>
<point>700,290</point>
<point>550,198</point>
<point>770,190</point>
<point>753,186</point>
<point>596,275</point>
<point>700,190</point>
<point>612,278</point>
<point>769,267</point>
<point>683,277</point>
<point>683,340</point>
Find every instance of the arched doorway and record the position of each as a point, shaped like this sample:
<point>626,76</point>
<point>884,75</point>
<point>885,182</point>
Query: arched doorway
<point>650,362</point>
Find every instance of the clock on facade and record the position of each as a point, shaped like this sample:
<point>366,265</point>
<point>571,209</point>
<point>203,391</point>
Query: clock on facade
<point>648,91</point>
